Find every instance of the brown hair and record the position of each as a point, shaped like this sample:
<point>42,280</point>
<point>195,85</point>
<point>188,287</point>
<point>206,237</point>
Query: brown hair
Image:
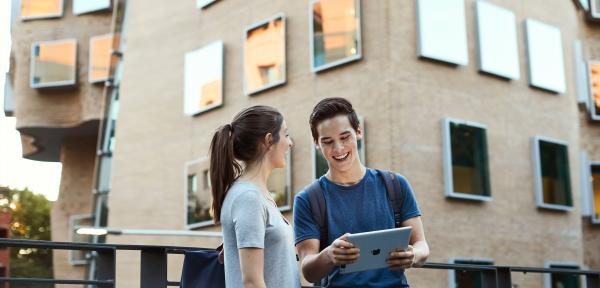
<point>241,140</point>
<point>329,108</point>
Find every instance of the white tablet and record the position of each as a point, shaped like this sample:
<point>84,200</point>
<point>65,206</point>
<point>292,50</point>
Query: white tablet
<point>375,248</point>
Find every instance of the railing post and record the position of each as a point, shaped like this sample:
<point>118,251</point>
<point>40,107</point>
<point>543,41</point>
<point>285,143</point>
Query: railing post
<point>489,279</point>
<point>592,280</point>
<point>504,279</point>
<point>106,266</point>
<point>154,268</point>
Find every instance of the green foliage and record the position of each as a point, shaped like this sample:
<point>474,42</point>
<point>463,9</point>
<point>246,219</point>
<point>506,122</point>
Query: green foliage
<point>30,220</point>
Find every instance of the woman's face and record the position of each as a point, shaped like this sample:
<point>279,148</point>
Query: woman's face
<point>277,151</point>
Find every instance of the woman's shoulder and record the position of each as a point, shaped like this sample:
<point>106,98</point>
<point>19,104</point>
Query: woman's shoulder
<point>243,191</point>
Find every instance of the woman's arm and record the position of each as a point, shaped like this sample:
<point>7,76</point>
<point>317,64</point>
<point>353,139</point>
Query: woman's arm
<point>252,267</point>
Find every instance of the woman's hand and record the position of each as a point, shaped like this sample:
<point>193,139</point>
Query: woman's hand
<point>342,251</point>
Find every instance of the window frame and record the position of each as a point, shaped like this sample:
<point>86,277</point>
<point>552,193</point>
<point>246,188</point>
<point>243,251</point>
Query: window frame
<point>548,276</point>
<point>91,52</point>
<point>447,162</point>
<point>65,84</point>
<point>346,60</point>
<point>109,7</point>
<point>531,68</point>
<point>594,14</point>
<point>361,153</point>
<point>200,4</point>
<point>539,196</point>
<point>452,260</point>
<point>462,60</point>
<point>249,28</point>
<point>208,108</point>
<point>590,190</point>
<point>46,16</point>
<point>479,23</point>
<point>186,174</point>
<point>73,230</point>
<point>592,105</point>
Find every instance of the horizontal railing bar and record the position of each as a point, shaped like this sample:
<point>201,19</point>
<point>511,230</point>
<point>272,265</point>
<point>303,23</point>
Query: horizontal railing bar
<point>56,281</point>
<point>451,266</point>
<point>43,244</point>
<point>552,270</point>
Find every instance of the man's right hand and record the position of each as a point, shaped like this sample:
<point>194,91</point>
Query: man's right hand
<point>342,251</point>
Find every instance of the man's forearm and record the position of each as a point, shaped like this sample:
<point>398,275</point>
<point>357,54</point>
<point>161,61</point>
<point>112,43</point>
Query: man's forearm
<point>316,266</point>
<point>421,250</point>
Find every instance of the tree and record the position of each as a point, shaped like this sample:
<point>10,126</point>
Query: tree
<point>30,220</point>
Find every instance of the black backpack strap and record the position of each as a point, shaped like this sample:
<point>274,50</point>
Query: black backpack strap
<point>395,193</point>
<point>318,208</point>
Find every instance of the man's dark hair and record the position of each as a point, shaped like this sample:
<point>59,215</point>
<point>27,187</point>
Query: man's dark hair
<point>329,108</point>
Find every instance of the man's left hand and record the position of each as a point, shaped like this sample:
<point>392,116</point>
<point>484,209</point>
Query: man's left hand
<point>401,259</point>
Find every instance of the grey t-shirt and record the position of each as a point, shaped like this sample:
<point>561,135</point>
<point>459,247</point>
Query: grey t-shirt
<point>249,220</point>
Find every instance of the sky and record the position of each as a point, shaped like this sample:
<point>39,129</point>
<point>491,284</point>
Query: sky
<point>16,171</point>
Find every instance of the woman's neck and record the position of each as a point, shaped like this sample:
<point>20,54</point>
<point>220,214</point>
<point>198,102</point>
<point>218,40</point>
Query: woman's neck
<point>257,174</point>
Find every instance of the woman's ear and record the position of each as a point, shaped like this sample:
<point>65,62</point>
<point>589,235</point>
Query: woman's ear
<point>268,141</point>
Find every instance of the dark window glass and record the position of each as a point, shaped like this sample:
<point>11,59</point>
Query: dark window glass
<point>469,279</point>
<point>564,280</point>
<point>556,183</point>
<point>470,173</point>
<point>596,191</point>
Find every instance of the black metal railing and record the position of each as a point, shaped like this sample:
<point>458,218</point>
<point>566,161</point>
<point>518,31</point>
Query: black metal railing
<point>154,265</point>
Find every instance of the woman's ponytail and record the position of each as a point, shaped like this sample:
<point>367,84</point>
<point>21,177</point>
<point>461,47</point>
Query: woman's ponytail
<point>224,169</point>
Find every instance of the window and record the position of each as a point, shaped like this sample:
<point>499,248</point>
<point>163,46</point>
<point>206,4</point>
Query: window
<point>79,257</point>
<point>100,58</point>
<point>562,280</point>
<point>280,184</point>
<point>595,191</point>
<point>264,55</point>
<point>198,195</point>
<point>467,279</point>
<point>584,4</point>
<point>497,25</point>
<point>545,54</point>
<point>594,8</point>
<point>38,9</point>
<point>53,63</point>
<point>87,6</point>
<point>320,165</point>
<point>594,89</point>
<point>9,100</point>
<point>442,31</point>
<point>552,179</point>
<point>335,33</point>
<point>203,87</point>
<point>201,4</point>
<point>466,170</point>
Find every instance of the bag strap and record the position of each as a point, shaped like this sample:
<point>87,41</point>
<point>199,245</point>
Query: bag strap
<point>395,193</point>
<point>318,208</point>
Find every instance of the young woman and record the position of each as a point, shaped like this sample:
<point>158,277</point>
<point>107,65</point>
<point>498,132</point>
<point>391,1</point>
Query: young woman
<point>257,240</point>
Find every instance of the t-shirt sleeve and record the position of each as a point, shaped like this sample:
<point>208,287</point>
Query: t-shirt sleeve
<point>249,220</point>
<point>305,226</point>
<point>410,208</point>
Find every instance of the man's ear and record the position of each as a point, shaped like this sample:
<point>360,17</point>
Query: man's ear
<point>359,134</point>
<point>317,145</point>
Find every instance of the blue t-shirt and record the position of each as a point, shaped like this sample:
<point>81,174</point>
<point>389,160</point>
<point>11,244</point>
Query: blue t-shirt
<point>362,207</point>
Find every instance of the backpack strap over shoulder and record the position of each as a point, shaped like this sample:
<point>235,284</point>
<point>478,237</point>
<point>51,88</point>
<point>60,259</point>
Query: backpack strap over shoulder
<point>318,209</point>
<point>395,193</point>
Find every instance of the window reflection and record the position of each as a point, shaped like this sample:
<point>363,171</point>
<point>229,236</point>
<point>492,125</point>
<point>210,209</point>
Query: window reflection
<point>595,87</point>
<point>265,55</point>
<point>336,32</point>
<point>53,63</point>
<point>203,79</point>
<point>279,183</point>
<point>596,192</point>
<point>199,196</point>
<point>31,9</point>
<point>100,58</point>
<point>545,56</point>
<point>86,6</point>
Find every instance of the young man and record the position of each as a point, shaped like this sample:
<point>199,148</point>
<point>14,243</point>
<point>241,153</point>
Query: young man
<point>356,201</point>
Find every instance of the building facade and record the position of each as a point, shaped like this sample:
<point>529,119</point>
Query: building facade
<point>487,107</point>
